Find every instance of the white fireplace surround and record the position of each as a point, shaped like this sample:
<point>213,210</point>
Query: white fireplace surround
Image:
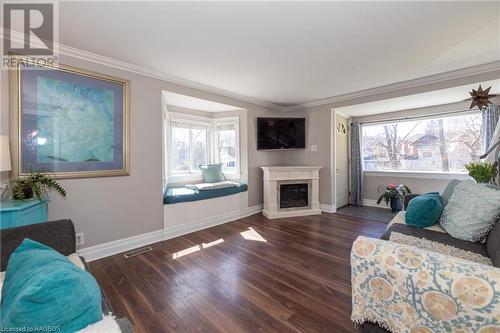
<point>274,176</point>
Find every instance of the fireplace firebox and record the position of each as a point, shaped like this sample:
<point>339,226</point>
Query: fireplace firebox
<point>294,195</point>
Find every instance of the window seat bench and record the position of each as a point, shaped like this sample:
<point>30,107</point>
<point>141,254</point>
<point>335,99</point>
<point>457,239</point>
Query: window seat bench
<point>175,195</point>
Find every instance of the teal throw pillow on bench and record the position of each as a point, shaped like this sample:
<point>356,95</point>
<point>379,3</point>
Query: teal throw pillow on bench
<point>424,210</point>
<point>42,288</point>
<point>212,173</point>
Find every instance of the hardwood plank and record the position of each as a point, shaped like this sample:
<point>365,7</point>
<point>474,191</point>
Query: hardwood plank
<point>249,275</point>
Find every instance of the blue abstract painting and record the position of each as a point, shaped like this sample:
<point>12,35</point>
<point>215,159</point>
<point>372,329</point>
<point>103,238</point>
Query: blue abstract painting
<point>71,122</point>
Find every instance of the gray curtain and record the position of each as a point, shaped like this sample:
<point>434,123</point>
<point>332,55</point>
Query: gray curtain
<point>490,115</point>
<point>356,166</point>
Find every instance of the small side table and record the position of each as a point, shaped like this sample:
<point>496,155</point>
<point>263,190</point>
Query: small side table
<point>14,213</point>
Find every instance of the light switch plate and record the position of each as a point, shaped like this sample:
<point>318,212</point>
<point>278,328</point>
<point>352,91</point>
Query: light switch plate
<point>314,147</point>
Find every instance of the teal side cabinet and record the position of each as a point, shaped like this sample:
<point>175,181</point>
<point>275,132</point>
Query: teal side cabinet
<point>14,213</point>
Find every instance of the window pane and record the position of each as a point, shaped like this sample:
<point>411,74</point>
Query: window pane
<point>180,150</point>
<point>199,148</point>
<point>227,150</point>
<point>442,145</point>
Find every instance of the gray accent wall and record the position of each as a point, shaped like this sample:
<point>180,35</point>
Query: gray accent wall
<point>112,208</point>
<point>319,133</point>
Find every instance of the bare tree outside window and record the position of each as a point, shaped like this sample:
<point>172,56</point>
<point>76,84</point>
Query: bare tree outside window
<point>436,145</point>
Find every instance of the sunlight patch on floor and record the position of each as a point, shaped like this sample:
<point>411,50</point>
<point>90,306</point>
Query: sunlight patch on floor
<point>196,248</point>
<point>253,235</point>
<point>215,242</point>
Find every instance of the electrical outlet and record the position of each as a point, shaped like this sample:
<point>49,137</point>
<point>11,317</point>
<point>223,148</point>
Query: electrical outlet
<point>80,239</point>
<point>314,147</point>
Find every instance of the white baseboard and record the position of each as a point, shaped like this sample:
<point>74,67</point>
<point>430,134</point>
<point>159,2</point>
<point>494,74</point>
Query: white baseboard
<point>121,245</point>
<point>210,222</point>
<point>373,203</point>
<point>291,213</point>
<point>328,208</point>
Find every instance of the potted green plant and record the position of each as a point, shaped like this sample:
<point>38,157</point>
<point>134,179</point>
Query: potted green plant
<point>482,172</point>
<point>393,194</point>
<point>36,184</point>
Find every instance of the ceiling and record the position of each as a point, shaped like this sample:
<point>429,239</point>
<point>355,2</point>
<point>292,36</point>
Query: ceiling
<point>431,98</point>
<point>287,53</point>
<point>194,103</point>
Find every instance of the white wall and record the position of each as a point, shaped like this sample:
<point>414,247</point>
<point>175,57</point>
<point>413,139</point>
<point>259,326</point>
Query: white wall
<point>185,217</point>
<point>417,185</point>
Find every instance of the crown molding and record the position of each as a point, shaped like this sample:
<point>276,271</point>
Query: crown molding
<point>342,114</point>
<point>149,72</point>
<point>436,78</point>
<point>146,71</point>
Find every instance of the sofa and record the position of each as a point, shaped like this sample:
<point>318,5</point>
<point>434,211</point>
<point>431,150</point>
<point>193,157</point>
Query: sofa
<point>453,286</point>
<point>59,235</point>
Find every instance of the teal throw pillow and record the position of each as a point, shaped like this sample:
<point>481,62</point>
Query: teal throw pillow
<point>212,173</point>
<point>42,288</point>
<point>448,190</point>
<point>424,210</point>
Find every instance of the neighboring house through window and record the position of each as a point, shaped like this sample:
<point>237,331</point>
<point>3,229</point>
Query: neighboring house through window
<point>442,144</point>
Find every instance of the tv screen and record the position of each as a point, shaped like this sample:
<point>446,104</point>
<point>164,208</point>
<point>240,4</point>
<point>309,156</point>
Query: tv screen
<point>281,133</point>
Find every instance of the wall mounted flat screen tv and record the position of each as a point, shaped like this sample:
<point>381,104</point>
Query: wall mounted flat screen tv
<point>281,133</point>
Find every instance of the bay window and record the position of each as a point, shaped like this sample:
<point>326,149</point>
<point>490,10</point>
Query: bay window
<point>226,137</point>
<point>440,144</point>
<point>193,140</point>
<point>189,147</point>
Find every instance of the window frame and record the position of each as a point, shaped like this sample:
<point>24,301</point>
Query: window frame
<point>418,174</point>
<point>212,144</point>
<point>228,121</point>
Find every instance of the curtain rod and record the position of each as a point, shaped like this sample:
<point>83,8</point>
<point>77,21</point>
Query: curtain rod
<point>415,117</point>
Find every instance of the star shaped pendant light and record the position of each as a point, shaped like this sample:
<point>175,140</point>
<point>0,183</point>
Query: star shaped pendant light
<point>480,97</point>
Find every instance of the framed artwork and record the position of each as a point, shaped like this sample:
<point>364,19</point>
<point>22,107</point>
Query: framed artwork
<point>70,122</point>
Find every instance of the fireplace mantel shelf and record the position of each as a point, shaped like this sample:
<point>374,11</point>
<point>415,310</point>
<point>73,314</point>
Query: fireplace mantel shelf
<point>275,176</point>
<point>287,168</point>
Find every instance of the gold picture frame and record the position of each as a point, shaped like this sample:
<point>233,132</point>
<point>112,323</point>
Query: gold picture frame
<point>24,148</point>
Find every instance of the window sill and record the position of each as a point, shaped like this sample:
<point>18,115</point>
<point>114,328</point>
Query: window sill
<point>421,174</point>
<point>232,176</point>
<point>193,178</point>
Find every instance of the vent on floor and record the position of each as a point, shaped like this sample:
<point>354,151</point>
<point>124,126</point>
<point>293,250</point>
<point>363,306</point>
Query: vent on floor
<point>137,252</point>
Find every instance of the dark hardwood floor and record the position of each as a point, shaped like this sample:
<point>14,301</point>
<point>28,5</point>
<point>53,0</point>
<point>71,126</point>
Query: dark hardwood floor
<point>250,275</point>
<point>378,214</point>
